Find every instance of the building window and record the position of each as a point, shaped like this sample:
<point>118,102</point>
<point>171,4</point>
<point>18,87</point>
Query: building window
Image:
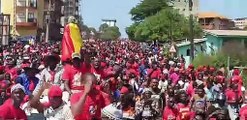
<point>21,3</point>
<point>33,3</point>
<point>31,17</point>
<point>21,17</point>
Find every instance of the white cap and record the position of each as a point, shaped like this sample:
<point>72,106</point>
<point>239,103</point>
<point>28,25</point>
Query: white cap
<point>17,86</point>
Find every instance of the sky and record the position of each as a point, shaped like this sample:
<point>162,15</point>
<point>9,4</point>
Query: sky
<point>94,10</point>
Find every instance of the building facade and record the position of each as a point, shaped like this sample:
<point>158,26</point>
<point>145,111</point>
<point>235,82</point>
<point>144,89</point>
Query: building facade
<point>240,23</point>
<point>24,15</point>
<point>52,16</point>
<point>109,22</point>
<point>213,21</point>
<point>70,8</point>
<point>183,7</point>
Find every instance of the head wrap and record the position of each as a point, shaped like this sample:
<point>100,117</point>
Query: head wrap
<point>17,86</point>
<point>124,90</point>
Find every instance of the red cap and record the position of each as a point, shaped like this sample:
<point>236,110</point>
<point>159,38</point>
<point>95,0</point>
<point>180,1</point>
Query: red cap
<point>236,72</point>
<point>3,85</point>
<point>55,91</point>
<point>124,90</point>
<point>191,66</point>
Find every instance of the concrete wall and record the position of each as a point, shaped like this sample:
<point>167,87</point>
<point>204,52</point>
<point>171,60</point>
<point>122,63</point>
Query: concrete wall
<point>182,50</point>
<point>213,44</point>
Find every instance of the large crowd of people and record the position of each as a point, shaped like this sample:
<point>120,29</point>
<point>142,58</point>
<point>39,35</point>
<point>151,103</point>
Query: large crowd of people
<point>115,80</point>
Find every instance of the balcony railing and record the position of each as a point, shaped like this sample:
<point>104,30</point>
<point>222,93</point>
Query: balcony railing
<point>33,5</point>
<point>31,22</point>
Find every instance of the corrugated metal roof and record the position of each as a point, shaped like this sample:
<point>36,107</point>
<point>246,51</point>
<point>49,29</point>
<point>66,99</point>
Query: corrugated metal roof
<point>227,32</point>
<point>188,42</point>
<point>210,15</point>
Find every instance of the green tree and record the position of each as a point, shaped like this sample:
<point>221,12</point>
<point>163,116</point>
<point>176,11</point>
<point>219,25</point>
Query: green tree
<point>103,27</point>
<point>147,8</point>
<point>156,20</point>
<point>168,24</point>
<point>110,33</point>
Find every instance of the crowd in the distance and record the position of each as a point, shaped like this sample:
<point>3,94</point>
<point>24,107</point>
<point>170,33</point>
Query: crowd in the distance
<point>115,80</point>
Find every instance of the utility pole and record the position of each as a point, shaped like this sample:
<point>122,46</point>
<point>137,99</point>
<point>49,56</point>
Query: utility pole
<point>48,19</point>
<point>191,36</point>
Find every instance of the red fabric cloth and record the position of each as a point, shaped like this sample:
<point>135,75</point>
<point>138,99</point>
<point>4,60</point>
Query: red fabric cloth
<point>243,111</point>
<point>12,72</point>
<point>231,95</point>
<point>8,111</point>
<point>67,44</point>
<point>155,74</point>
<point>132,71</point>
<point>87,69</point>
<point>92,107</point>
<point>190,91</point>
<point>170,114</point>
<point>184,112</point>
<point>73,75</point>
<point>100,73</point>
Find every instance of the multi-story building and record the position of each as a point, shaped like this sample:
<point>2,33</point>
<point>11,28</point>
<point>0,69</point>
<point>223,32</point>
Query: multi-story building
<point>52,16</point>
<point>25,16</point>
<point>183,7</point>
<point>213,21</point>
<point>70,8</point>
<point>109,22</point>
<point>240,23</point>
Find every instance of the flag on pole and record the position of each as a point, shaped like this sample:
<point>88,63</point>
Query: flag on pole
<point>72,41</point>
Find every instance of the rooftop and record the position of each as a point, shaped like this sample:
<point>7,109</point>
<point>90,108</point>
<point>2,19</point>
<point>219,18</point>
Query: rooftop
<point>210,15</point>
<point>243,18</point>
<point>238,33</point>
<point>185,43</point>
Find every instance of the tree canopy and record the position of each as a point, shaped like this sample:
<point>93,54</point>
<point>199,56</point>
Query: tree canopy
<point>147,8</point>
<point>109,32</point>
<point>156,20</point>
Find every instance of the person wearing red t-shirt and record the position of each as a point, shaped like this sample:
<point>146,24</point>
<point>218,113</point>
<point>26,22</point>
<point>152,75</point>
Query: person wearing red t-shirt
<point>170,112</point>
<point>72,75</point>
<point>154,72</point>
<point>184,107</point>
<point>11,108</point>
<point>11,69</point>
<point>234,98</point>
<point>87,104</point>
<point>243,110</point>
<point>98,71</point>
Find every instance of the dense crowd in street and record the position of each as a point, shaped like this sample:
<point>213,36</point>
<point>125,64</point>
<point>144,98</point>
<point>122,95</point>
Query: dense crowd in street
<point>115,80</point>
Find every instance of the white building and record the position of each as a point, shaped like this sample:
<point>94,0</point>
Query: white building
<point>70,8</point>
<point>240,23</point>
<point>109,22</point>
